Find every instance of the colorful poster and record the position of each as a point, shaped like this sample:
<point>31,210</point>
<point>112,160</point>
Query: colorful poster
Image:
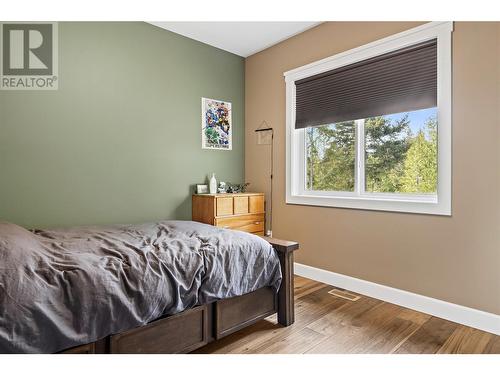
<point>216,126</point>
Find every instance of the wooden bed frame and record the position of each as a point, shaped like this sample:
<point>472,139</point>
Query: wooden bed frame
<point>196,327</point>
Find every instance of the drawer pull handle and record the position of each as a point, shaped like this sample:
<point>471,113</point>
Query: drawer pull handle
<point>257,222</point>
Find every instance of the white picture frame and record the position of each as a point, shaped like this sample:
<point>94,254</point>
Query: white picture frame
<point>201,189</point>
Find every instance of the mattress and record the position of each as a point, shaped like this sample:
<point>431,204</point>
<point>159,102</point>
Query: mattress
<point>66,287</point>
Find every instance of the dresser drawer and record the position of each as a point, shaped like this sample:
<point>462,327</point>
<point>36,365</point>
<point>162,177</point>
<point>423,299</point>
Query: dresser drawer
<point>256,204</point>
<point>245,223</point>
<point>240,205</point>
<point>224,206</point>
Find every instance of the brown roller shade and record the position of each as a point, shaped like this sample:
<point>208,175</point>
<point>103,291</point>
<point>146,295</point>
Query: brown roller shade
<point>399,81</point>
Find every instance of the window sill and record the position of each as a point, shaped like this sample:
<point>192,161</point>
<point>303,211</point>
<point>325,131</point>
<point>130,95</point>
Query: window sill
<point>429,205</point>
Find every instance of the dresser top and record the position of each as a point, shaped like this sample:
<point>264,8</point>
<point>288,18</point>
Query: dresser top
<point>228,195</point>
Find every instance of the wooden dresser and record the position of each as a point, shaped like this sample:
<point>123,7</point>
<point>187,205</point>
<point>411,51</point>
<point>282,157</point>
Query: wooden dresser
<point>240,211</point>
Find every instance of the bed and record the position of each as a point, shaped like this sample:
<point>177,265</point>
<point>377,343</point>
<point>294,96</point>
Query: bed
<point>163,287</point>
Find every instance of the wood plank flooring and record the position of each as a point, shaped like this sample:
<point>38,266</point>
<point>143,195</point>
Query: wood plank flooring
<point>325,324</point>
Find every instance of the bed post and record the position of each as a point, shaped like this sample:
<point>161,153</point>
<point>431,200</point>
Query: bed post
<point>285,249</point>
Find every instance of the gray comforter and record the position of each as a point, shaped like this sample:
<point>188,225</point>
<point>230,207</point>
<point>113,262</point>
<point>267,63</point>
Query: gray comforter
<point>62,288</point>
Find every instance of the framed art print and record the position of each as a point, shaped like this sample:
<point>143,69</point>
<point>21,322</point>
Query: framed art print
<point>201,189</point>
<point>216,125</point>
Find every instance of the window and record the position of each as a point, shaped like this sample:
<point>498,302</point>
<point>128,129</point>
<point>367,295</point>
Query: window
<point>371,128</point>
<point>331,157</point>
<point>399,151</point>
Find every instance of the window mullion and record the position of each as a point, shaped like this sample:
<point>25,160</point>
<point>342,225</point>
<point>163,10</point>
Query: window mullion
<point>360,157</point>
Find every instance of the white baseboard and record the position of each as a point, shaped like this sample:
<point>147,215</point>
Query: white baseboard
<point>456,313</point>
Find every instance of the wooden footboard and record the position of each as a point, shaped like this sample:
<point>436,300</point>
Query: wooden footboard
<point>196,327</point>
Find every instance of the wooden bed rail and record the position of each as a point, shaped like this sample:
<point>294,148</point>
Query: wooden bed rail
<point>285,249</point>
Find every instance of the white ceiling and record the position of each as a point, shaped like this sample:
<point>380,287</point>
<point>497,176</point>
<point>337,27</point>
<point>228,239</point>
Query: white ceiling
<point>241,38</point>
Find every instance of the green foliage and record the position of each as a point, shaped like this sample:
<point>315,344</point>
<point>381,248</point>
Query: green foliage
<point>385,150</point>
<point>420,168</point>
<point>331,157</point>
<point>396,161</point>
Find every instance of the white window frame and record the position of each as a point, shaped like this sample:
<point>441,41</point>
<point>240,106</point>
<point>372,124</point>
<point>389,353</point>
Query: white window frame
<point>438,204</point>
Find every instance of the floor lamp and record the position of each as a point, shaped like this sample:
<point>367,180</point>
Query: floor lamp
<point>265,136</point>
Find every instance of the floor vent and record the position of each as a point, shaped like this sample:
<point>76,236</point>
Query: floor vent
<point>344,294</point>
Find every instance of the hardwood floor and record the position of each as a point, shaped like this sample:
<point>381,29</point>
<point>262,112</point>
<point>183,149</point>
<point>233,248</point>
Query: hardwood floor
<point>325,323</point>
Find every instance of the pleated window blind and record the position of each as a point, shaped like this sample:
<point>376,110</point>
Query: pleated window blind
<point>399,81</point>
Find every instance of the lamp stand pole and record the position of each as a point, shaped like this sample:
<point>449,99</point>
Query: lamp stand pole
<point>269,232</point>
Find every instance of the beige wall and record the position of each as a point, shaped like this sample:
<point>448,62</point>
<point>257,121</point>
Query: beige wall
<point>456,258</point>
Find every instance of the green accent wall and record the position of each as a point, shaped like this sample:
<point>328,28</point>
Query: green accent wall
<point>120,141</point>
